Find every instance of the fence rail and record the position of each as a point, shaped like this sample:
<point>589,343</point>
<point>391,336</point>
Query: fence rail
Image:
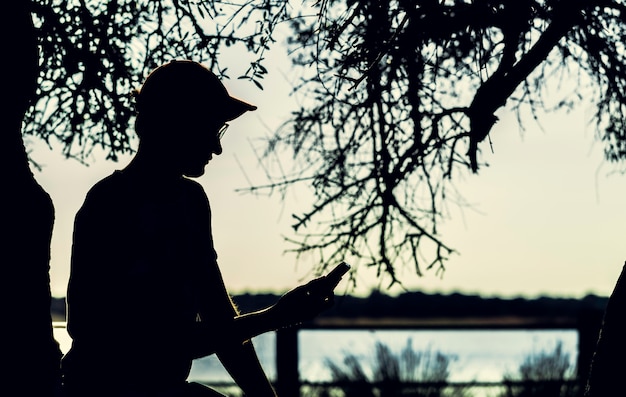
<point>513,388</point>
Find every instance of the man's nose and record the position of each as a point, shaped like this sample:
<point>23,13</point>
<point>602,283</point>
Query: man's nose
<point>217,149</point>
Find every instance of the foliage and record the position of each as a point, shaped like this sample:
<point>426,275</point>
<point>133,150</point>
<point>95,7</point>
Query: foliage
<point>390,374</point>
<point>400,96</point>
<point>402,93</point>
<point>544,374</point>
<point>95,53</point>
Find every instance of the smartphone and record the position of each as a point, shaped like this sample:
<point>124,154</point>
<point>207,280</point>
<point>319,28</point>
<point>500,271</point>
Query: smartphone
<point>335,275</point>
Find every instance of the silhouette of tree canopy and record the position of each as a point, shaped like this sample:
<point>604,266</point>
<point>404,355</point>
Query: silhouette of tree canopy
<point>401,96</point>
<point>94,53</point>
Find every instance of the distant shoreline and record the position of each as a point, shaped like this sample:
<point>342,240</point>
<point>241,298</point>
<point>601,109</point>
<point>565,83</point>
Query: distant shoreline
<point>418,305</point>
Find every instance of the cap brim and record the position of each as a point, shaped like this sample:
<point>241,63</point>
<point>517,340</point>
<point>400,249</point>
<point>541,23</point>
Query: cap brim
<point>236,107</point>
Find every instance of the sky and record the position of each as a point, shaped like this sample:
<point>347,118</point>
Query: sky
<point>546,217</point>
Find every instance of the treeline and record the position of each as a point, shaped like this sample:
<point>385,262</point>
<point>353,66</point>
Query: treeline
<point>422,305</point>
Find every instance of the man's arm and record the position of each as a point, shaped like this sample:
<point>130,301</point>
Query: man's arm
<point>242,363</point>
<point>297,305</point>
<point>234,348</point>
<point>231,342</point>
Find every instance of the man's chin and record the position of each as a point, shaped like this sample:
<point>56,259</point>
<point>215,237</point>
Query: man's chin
<point>194,173</point>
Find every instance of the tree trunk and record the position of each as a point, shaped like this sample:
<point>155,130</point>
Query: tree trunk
<point>30,354</point>
<point>609,360</point>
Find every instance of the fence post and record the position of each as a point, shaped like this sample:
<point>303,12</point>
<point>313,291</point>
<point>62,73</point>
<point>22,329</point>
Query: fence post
<point>287,374</point>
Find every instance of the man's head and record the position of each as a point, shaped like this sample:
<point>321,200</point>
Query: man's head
<point>183,89</point>
<point>180,109</point>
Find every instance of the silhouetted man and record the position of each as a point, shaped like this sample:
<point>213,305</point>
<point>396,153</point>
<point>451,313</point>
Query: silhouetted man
<point>146,296</point>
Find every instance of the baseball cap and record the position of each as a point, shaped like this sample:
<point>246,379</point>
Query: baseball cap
<point>179,83</point>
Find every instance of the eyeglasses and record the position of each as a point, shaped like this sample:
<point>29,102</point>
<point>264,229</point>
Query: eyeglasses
<point>222,131</point>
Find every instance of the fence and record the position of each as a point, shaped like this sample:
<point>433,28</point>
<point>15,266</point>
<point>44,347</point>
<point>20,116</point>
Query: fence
<point>587,324</point>
<point>568,388</point>
<point>288,381</point>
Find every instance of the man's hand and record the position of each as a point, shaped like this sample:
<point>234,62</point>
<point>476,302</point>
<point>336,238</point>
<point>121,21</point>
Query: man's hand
<point>305,302</point>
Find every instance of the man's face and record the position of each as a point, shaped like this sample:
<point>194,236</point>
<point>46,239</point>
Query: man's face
<point>200,141</point>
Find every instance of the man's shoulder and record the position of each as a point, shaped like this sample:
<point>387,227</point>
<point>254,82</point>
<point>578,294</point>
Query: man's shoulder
<point>119,184</point>
<point>109,183</point>
<point>104,198</point>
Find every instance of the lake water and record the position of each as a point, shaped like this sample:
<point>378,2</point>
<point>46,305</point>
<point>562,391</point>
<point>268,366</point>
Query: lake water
<point>476,355</point>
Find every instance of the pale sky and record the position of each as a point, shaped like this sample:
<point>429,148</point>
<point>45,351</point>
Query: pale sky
<point>547,219</point>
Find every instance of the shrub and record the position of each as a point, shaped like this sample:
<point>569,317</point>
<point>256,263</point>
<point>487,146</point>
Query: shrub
<point>410,373</point>
<point>543,374</point>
